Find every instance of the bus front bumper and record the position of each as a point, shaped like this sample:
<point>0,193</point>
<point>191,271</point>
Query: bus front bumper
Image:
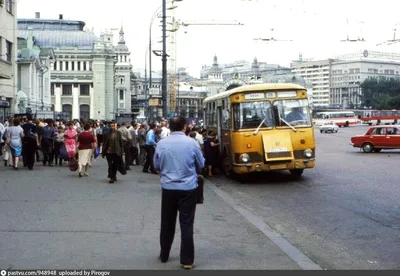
<point>275,166</point>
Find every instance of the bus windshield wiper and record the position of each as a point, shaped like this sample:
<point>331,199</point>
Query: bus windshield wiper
<point>292,127</point>
<point>258,128</point>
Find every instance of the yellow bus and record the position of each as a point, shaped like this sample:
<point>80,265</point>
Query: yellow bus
<point>262,127</point>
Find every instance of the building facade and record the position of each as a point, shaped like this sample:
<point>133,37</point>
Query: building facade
<point>348,73</point>
<point>86,70</point>
<point>336,83</point>
<point>222,77</point>
<point>33,78</point>
<point>318,73</point>
<point>8,54</point>
<point>190,94</point>
<point>123,71</point>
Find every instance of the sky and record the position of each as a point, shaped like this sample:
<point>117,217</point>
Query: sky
<point>314,26</point>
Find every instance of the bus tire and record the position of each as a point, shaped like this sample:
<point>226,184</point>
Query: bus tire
<point>296,173</point>
<point>227,166</point>
<point>347,124</point>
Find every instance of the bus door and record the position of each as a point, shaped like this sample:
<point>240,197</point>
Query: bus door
<point>219,128</point>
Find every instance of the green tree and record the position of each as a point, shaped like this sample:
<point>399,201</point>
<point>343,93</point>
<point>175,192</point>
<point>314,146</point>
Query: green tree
<point>381,93</point>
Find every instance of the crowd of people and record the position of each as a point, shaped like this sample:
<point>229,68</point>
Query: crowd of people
<point>58,142</point>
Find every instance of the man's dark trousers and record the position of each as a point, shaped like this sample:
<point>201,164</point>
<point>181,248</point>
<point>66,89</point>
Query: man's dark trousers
<point>185,202</point>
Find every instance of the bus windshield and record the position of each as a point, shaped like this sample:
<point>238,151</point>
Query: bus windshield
<point>295,112</point>
<point>252,114</point>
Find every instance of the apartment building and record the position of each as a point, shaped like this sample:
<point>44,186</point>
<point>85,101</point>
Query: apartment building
<point>318,73</point>
<point>348,73</point>
<point>8,49</point>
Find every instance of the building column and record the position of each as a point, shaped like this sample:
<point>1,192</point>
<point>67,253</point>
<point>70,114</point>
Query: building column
<point>63,65</point>
<point>57,98</point>
<point>92,109</point>
<point>75,102</point>
<point>76,65</point>
<point>87,66</point>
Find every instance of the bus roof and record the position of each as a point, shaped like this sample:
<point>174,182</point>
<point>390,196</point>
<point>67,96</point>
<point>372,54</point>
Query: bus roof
<point>254,87</point>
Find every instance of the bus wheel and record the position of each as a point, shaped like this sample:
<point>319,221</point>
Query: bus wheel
<point>228,170</point>
<point>347,124</point>
<point>367,147</point>
<point>296,173</point>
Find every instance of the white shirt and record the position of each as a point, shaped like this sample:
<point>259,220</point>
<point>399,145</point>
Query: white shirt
<point>2,130</point>
<point>199,138</point>
<point>164,132</point>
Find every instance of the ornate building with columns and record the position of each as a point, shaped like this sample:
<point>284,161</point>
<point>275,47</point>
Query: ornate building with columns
<point>221,77</point>
<point>86,70</point>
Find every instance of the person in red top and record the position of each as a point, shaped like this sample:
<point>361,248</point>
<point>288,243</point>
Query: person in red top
<point>86,145</point>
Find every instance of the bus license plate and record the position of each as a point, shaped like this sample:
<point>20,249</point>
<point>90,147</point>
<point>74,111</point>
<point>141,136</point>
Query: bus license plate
<point>278,149</point>
<point>278,167</point>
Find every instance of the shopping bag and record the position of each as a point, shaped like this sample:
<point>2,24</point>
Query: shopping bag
<point>63,153</point>
<point>122,166</point>
<point>96,153</point>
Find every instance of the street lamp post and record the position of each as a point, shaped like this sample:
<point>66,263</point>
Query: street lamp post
<point>164,61</point>
<point>164,8</point>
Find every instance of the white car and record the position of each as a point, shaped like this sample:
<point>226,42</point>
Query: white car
<point>328,127</point>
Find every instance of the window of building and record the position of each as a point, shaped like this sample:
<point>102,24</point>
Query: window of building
<point>67,89</point>
<point>79,66</point>
<point>84,90</point>
<point>72,65</point>
<point>52,89</point>
<point>84,66</point>
<point>8,51</point>
<point>66,65</point>
<point>67,108</point>
<point>84,111</point>
<point>121,95</point>
<point>55,66</point>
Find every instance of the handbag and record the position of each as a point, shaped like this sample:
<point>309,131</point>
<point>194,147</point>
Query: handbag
<point>96,152</point>
<point>73,165</point>
<point>122,166</point>
<point>63,152</point>
<point>199,190</point>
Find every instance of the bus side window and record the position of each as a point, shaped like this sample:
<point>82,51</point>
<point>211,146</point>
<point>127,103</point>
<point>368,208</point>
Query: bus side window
<point>236,116</point>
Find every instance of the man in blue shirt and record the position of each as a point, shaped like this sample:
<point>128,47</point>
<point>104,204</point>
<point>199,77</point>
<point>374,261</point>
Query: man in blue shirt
<point>150,147</point>
<point>178,159</point>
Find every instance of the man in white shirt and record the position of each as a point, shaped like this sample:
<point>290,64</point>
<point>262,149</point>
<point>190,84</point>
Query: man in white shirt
<point>199,137</point>
<point>164,130</point>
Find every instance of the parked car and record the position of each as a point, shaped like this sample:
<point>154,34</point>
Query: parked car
<point>329,127</point>
<point>378,138</point>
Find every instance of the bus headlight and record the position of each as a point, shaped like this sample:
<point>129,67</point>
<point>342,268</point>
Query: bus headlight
<point>308,153</point>
<point>245,158</point>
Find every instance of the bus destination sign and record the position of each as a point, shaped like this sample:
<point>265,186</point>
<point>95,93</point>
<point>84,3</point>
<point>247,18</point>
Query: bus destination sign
<point>254,96</point>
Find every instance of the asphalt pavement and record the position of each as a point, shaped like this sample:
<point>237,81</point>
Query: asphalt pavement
<point>343,214</point>
<point>52,219</point>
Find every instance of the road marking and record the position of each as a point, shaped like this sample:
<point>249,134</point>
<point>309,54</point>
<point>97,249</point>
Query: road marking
<point>295,254</point>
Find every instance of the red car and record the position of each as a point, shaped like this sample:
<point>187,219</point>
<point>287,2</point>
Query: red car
<point>378,138</point>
